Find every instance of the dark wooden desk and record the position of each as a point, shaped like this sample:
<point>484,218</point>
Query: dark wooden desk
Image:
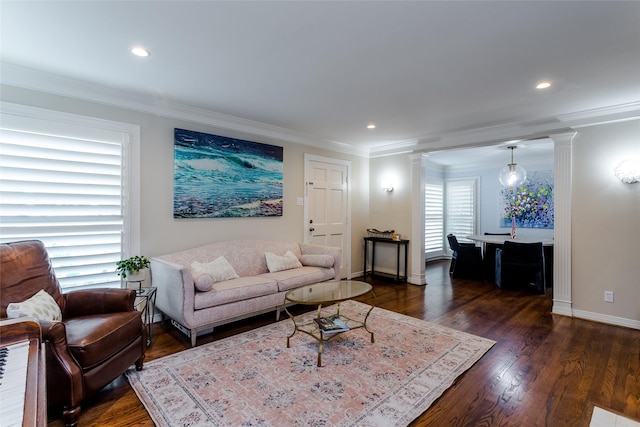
<point>399,244</point>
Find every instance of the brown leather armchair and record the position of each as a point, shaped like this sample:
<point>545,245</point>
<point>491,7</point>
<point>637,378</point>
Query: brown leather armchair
<point>100,336</point>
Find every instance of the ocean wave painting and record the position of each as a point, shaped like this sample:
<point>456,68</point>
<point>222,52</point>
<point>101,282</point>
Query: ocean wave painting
<point>216,176</point>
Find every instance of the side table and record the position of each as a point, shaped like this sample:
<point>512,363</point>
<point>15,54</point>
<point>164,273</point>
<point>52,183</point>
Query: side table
<point>398,243</point>
<point>146,302</point>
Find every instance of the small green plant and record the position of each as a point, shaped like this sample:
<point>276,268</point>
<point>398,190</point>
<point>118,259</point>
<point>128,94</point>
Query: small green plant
<point>131,265</point>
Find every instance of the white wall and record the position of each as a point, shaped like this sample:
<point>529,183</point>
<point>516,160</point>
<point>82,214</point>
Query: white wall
<point>160,232</point>
<point>605,225</point>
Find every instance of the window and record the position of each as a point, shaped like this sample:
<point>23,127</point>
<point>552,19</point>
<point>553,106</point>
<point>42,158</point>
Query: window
<point>64,181</point>
<point>434,218</point>
<point>461,207</point>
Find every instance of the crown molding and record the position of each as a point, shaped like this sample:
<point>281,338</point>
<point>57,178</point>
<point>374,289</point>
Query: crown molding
<point>27,78</point>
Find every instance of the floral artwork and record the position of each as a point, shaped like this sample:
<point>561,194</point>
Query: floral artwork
<point>216,176</point>
<point>531,204</point>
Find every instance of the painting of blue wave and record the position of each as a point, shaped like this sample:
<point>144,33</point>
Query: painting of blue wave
<point>217,176</point>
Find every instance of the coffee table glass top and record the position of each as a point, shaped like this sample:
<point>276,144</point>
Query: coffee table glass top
<point>328,292</point>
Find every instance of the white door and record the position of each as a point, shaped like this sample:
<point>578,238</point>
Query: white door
<point>327,206</point>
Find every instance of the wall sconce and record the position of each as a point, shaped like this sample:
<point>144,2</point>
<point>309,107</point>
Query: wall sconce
<point>628,171</point>
<point>387,185</point>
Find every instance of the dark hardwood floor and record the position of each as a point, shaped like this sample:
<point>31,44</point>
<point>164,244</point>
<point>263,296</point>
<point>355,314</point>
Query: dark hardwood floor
<point>544,370</point>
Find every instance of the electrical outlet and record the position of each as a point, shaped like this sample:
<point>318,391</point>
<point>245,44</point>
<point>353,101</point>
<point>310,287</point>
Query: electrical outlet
<point>608,296</point>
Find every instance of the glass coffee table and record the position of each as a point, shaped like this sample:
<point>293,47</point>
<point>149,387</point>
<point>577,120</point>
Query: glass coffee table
<point>324,294</point>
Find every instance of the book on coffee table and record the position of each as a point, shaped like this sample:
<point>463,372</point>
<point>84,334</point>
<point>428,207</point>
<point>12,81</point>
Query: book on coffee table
<point>331,325</point>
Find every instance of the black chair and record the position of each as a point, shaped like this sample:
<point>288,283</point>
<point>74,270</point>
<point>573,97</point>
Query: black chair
<point>489,256</point>
<point>520,264</point>
<point>466,261</point>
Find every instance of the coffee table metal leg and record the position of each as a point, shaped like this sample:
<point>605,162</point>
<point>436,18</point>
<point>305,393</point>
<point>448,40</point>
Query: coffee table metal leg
<point>367,316</point>
<point>295,325</point>
<point>321,340</point>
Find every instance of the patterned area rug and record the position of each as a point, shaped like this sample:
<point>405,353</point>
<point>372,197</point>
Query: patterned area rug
<point>253,379</point>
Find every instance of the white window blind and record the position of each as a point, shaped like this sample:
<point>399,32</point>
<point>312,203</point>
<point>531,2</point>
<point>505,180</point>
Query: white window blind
<point>434,218</point>
<point>461,207</point>
<point>63,184</point>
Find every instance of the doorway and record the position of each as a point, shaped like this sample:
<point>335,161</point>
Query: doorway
<point>327,205</point>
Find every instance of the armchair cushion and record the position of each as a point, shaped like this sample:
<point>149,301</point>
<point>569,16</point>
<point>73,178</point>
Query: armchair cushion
<point>94,339</point>
<point>41,306</point>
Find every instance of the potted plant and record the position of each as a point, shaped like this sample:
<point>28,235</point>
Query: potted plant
<point>133,268</point>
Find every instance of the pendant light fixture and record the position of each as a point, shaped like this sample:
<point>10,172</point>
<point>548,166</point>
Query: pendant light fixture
<point>512,175</point>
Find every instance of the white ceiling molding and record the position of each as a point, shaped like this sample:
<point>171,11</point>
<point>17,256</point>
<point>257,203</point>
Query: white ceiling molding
<point>22,77</point>
<point>13,75</point>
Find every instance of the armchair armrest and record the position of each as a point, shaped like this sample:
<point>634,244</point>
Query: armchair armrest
<point>65,368</point>
<point>98,301</point>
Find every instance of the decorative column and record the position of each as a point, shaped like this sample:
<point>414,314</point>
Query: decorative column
<point>562,302</point>
<point>417,276</point>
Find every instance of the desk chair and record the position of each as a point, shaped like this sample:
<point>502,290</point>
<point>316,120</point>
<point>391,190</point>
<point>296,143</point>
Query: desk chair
<point>520,264</point>
<point>466,261</point>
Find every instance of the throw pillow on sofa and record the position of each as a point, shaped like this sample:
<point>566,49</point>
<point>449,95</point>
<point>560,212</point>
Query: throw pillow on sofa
<point>42,306</point>
<point>280,263</point>
<point>206,274</point>
<point>321,260</point>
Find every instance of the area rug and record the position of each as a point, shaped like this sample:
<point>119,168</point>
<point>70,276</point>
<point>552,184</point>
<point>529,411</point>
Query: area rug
<point>253,379</point>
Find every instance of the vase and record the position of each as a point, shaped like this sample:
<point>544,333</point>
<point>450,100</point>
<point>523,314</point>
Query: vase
<point>513,227</point>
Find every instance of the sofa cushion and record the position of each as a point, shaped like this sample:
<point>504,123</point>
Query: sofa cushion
<point>290,279</point>
<point>217,270</point>
<point>279,263</point>
<point>235,290</point>
<point>325,261</point>
<point>41,306</point>
<point>95,338</point>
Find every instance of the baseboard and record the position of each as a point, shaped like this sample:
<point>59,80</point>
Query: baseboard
<point>605,318</point>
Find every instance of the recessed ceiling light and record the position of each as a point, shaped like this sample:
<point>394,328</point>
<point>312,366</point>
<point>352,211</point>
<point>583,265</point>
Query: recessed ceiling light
<point>140,51</point>
<point>543,85</point>
<point>371,126</point>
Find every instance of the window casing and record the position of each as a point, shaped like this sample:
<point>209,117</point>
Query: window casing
<point>65,180</point>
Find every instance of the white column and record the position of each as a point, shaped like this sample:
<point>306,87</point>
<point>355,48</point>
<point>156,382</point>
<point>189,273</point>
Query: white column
<point>417,276</point>
<point>562,302</point>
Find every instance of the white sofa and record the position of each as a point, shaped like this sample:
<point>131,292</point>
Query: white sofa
<point>184,298</point>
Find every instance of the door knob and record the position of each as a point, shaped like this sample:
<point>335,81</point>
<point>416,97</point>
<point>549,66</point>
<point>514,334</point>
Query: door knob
<point>312,229</point>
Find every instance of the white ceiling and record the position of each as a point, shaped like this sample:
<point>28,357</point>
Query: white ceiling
<point>320,71</point>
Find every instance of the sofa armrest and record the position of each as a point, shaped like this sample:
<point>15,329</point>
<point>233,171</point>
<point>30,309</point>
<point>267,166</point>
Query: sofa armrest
<point>176,292</point>
<point>98,301</point>
<point>334,251</point>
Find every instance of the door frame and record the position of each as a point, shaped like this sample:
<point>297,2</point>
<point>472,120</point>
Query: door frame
<point>346,254</point>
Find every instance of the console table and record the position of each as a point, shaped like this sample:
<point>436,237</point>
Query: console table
<point>399,244</point>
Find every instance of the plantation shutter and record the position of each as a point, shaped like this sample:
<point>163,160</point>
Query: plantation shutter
<point>434,219</point>
<point>63,184</point>
<point>461,207</point>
